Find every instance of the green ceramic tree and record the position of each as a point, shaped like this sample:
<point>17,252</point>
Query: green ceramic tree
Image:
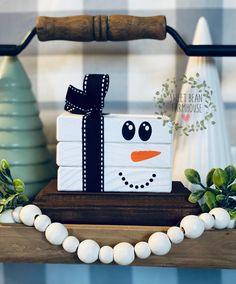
<point>22,141</point>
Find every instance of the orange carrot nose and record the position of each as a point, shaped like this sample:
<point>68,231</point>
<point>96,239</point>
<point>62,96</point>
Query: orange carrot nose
<point>138,156</point>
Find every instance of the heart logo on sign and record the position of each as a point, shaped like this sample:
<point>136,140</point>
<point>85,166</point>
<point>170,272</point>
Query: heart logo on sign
<point>185,117</point>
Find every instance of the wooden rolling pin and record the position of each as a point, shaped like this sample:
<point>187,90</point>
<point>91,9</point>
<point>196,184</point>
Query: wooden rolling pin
<point>101,28</point>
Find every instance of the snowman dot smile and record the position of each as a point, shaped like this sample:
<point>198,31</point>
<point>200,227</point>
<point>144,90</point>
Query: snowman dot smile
<point>136,186</point>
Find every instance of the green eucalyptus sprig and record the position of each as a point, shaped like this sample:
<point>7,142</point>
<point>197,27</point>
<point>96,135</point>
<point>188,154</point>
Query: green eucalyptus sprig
<point>219,190</point>
<point>11,190</point>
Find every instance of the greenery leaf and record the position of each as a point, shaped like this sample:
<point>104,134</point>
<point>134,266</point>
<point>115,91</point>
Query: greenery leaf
<point>4,165</point>
<point>220,197</point>
<point>219,177</point>
<point>233,187</point>
<point>231,173</point>
<point>210,199</point>
<point>18,182</point>
<point>232,213</point>
<point>195,196</point>
<point>3,201</point>
<point>209,180</point>
<point>23,198</point>
<point>19,189</point>
<point>10,198</point>
<point>192,176</point>
<point>10,190</point>
<point>4,177</point>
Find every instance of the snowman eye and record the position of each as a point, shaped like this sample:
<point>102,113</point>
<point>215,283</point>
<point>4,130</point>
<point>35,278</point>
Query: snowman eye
<point>128,130</point>
<point>145,131</point>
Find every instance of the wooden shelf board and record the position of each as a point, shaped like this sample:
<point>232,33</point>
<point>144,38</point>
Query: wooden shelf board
<point>215,249</point>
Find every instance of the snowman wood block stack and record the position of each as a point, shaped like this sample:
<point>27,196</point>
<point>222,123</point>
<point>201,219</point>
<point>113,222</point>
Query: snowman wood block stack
<point>110,152</point>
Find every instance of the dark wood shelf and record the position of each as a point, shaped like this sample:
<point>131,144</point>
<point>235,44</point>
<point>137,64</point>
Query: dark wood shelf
<point>116,208</point>
<point>215,249</point>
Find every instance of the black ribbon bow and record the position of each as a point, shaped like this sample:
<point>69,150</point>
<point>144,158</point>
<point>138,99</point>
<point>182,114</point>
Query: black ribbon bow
<point>90,103</point>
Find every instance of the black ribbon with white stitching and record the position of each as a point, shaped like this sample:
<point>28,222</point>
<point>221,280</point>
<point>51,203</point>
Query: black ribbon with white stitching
<point>90,103</point>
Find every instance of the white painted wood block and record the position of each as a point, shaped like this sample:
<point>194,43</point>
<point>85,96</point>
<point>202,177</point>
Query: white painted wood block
<point>132,164</point>
<point>69,154</point>
<point>147,179</point>
<point>69,128</point>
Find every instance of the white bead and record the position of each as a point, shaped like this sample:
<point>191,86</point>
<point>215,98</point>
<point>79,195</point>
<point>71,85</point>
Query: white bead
<point>28,213</point>
<point>6,217</point>
<point>221,216</point>
<point>208,220</point>
<point>123,253</point>
<point>232,224</point>
<point>56,233</point>
<point>88,251</point>
<point>42,222</point>
<point>175,234</point>
<point>193,226</point>
<point>16,214</point>
<point>142,250</point>
<point>70,244</point>
<point>159,243</point>
<point>106,254</point>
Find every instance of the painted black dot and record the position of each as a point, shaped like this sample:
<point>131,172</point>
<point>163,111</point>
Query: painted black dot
<point>128,130</point>
<point>126,183</point>
<point>136,186</point>
<point>123,178</point>
<point>131,186</point>
<point>154,175</point>
<point>147,183</point>
<point>142,186</point>
<point>120,174</point>
<point>151,180</point>
<point>145,131</point>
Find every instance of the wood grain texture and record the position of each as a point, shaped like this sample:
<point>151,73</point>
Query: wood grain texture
<point>101,28</point>
<point>70,179</point>
<point>24,244</point>
<point>69,154</point>
<point>69,128</point>
<point>116,207</point>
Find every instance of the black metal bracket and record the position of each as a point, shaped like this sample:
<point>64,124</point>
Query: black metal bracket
<point>190,50</point>
<point>202,50</point>
<point>14,50</point>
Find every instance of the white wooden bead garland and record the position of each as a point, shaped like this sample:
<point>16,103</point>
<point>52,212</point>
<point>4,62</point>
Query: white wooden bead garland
<point>6,217</point>
<point>42,222</point>
<point>56,233</point>
<point>106,254</point>
<point>28,214</point>
<point>159,243</point>
<point>142,250</point>
<point>192,226</point>
<point>16,214</point>
<point>175,235</point>
<point>70,244</point>
<point>124,253</point>
<point>208,220</point>
<point>88,251</point>
<point>221,216</point>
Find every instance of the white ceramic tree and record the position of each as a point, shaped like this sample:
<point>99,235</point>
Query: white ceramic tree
<point>207,148</point>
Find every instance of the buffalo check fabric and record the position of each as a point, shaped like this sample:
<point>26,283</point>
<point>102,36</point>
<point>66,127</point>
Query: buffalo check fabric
<point>137,68</point>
